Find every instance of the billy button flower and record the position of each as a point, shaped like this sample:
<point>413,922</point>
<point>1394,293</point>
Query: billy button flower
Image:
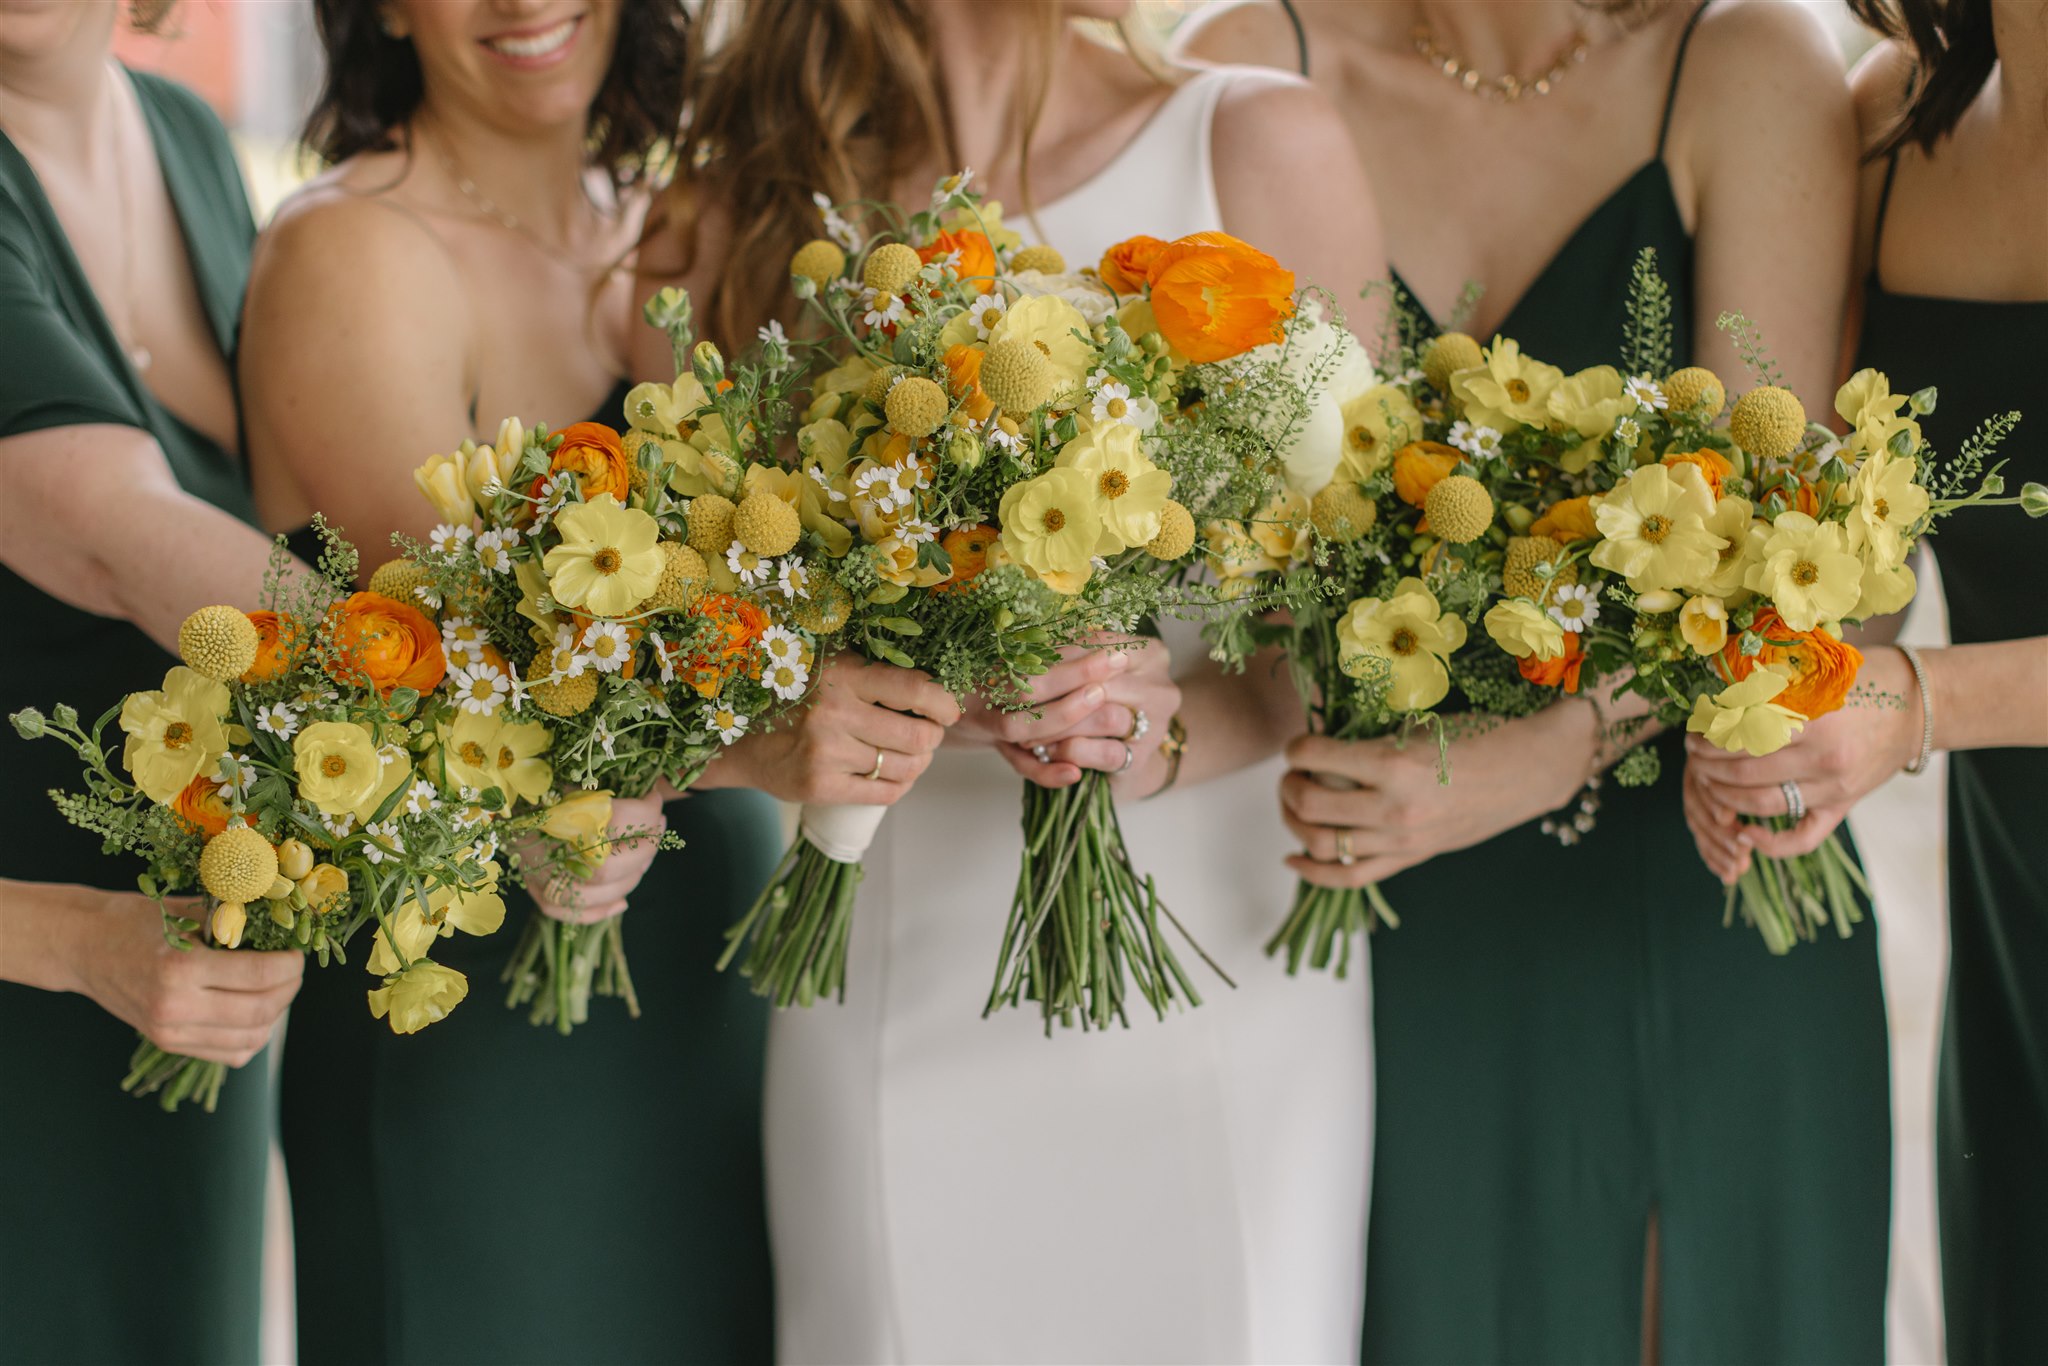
<point>237,865</point>
<point>219,642</point>
<point>1768,422</point>
<point>608,559</point>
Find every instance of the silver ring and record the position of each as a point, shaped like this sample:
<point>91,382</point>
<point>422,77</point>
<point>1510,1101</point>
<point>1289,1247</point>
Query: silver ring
<point>1130,757</point>
<point>1795,801</point>
<point>1344,854</point>
<point>1041,753</point>
<point>1140,723</point>
<point>875,774</point>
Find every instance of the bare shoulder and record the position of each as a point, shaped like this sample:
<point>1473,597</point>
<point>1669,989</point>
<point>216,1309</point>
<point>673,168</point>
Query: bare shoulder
<point>1879,85</point>
<point>355,250</point>
<point>1763,43</point>
<point>1280,126</point>
<point>1246,33</point>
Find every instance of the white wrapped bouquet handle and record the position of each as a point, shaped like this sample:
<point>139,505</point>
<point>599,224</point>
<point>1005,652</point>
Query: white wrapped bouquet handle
<point>840,831</point>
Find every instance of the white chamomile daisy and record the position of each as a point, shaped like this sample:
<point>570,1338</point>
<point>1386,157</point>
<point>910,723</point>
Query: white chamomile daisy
<point>429,596</point>
<point>749,568</point>
<point>449,538</point>
<point>824,482</point>
<point>915,531</point>
<point>836,227</point>
<point>1627,432</point>
<point>786,681</point>
<point>241,776</point>
<point>1009,442</point>
<point>340,824</point>
<point>882,309</point>
<point>1481,443</point>
<point>986,312</point>
<point>664,656</point>
<point>1647,393</point>
<point>782,645</point>
<point>1575,607</point>
<point>729,724</point>
<point>608,646</point>
<point>565,660</point>
<point>385,841</point>
<point>480,689</point>
<point>493,551</point>
<point>606,741</point>
<point>773,333</point>
<point>279,719</point>
<point>420,798</point>
<point>792,579</point>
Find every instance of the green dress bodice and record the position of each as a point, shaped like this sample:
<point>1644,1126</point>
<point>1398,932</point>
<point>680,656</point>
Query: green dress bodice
<point>126,1234</point>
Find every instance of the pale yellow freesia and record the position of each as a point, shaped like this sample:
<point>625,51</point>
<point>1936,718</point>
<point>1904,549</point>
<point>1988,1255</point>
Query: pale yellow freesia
<point>1743,717</point>
<point>1653,529</point>
<point>1524,630</point>
<point>174,734</point>
<point>1408,631</point>
<point>443,482</point>
<point>1703,622</point>
<point>580,819</point>
<point>1806,570</point>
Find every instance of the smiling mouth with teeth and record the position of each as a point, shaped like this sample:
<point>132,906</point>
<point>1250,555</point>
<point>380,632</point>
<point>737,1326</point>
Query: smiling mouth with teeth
<point>531,46</point>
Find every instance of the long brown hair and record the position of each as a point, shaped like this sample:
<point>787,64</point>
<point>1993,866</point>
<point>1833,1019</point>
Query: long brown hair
<point>836,97</point>
<point>1954,49</point>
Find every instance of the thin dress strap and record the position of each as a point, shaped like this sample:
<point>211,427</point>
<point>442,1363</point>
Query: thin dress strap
<point>1300,35</point>
<point>1677,70</point>
<point>1884,202</point>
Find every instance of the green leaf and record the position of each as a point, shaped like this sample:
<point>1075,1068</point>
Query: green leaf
<point>902,626</point>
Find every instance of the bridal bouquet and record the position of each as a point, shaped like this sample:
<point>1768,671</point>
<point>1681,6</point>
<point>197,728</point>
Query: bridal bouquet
<point>592,644</point>
<point>288,772</point>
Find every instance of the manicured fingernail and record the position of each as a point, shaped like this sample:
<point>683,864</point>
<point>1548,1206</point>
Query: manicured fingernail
<point>1120,660</point>
<point>1095,694</point>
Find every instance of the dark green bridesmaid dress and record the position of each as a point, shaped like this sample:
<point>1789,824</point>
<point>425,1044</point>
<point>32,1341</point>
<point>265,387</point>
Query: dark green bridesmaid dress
<point>1992,1113</point>
<point>488,1191</point>
<point>126,1234</point>
<point>1570,1043</point>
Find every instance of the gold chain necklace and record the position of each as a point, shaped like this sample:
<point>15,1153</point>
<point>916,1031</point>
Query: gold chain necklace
<point>505,219</point>
<point>1502,89</point>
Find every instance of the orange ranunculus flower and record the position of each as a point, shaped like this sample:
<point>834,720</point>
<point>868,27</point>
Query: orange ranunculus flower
<point>278,645</point>
<point>737,627</point>
<point>1807,500</point>
<point>963,368</point>
<point>201,806</point>
<point>1822,669</point>
<point>1713,466</point>
<point>391,644</point>
<point>1127,266</point>
<point>968,547</point>
<point>977,263</point>
<point>593,453</point>
<point>1569,519</point>
<point>1215,297</point>
<point>1549,673</point>
<point>1418,467</point>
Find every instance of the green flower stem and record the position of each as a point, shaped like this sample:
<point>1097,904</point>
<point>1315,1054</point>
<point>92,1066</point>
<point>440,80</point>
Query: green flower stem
<point>1790,900</point>
<point>557,967</point>
<point>173,1078</point>
<point>797,931</point>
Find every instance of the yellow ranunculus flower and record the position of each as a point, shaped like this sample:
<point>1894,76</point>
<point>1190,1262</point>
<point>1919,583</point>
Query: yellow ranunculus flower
<point>608,559</point>
<point>174,734</point>
<point>1743,717</point>
<point>1735,521</point>
<point>1377,423</point>
<point>1508,391</point>
<point>896,562</point>
<point>324,887</point>
<point>1653,529</point>
<point>1282,530</point>
<point>473,910</point>
<point>1050,524</point>
<point>1806,570</point>
<point>1231,551</point>
<point>490,751</point>
<point>1888,503</point>
<point>394,772</point>
<point>337,764</point>
<point>1049,323</point>
<point>1703,622</point>
<point>1868,404</point>
<point>581,819</point>
<point>444,484</point>
<point>417,997</point>
<point>1589,403</point>
<point>1884,591</point>
<point>1130,491</point>
<point>1411,634</point>
<point>1523,629</point>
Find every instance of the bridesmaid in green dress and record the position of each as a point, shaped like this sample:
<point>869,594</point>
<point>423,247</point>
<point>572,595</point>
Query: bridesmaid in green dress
<point>488,1190</point>
<point>126,1234</point>
<point>1956,296</point>
<point>1593,1100</point>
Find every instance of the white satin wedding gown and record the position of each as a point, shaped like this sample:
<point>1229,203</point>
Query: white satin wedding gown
<point>944,1188</point>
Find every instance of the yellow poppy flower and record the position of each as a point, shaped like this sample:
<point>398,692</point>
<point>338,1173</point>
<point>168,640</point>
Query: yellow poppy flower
<point>1510,390</point>
<point>174,734</point>
<point>473,910</point>
<point>1868,404</point>
<point>489,751</point>
<point>1050,524</point>
<point>1888,504</point>
<point>1130,491</point>
<point>1410,633</point>
<point>1524,630</point>
<point>1884,591</point>
<point>1743,717</point>
<point>337,764</point>
<point>1377,423</point>
<point>608,560</point>
<point>1735,522</point>
<point>419,996</point>
<point>1653,529</point>
<point>1804,567</point>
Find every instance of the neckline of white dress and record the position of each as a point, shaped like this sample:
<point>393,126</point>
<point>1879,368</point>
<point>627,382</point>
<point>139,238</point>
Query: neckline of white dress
<point>1159,120</point>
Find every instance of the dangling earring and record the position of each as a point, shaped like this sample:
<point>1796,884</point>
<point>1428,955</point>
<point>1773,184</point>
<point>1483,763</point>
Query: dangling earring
<point>393,26</point>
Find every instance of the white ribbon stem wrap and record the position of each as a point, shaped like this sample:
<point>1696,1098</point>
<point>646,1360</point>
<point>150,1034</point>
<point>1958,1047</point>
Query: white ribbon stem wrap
<point>841,833</point>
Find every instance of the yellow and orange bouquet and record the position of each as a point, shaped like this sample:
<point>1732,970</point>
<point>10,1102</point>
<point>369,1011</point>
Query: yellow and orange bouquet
<point>291,771</point>
<point>1503,529</point>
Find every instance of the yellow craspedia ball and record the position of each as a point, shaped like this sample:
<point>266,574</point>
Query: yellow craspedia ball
<point>399,580</point>
<point>683,573</point>
<point>709,520</point>
<point>766,525</point>
<point>916,407</point>
<point>563,697</point>
<point>1459,508</point>
<point>1445,356</point>
<point>1176,533</point>
<point>1017,377</point>
<point>1046,260</point>
<point>890,267</point>
<point>219,642</point>
<point>825,610</point>
<point>237,865</point>
<point>1768,422</point>
<point>1519,576</point>
<point>1696,390</point>
<point>879,384</point>
<point>818,261</point>
<point>1341,513</point>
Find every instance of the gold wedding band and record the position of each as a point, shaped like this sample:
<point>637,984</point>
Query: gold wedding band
<point>875,775</point>
<point>1344,855</point>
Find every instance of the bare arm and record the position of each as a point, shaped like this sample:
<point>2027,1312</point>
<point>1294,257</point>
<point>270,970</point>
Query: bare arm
<point>94,517</point>
<point>1238,33</point>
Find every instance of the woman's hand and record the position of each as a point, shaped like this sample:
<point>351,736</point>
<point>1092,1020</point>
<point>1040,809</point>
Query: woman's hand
<point>602,895</point>
<point>1388,812</point>
<point>865,736</point>
<point>1089,711</point>
<point>1835,760</point>
<point>218,1005</point>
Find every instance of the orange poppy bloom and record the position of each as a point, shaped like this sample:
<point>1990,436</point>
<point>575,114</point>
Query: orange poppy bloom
<point>1569,519</point>
<point>963,369</point>
<point>393,645</point>
<point>1713,466</point>
<point>968,547</point>
<point>1825,667</point>
<point>1127,266</point>
<point>1215,297</point>
<point>1549,673</point>
<point>1418,466</point>
<point>977,263</point>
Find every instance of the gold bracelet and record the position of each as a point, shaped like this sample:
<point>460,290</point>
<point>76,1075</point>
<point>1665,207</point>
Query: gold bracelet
<point>1174,747</point>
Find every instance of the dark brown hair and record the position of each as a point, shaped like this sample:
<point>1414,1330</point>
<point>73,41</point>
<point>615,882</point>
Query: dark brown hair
<point>373,86</point>
<point>1954,49</point>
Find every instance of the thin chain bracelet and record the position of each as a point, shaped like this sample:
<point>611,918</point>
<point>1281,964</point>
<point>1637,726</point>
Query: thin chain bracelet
<point>1568,831</point>
<point>1919,764</point>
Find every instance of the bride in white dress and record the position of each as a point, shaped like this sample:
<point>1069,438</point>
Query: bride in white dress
<point>948,1188</point>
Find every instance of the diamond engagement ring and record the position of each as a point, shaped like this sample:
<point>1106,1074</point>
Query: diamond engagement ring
<point>1344,854</point>
<point>1795,801</point>
<point>1041,753</point>
<point>1140,723</point>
